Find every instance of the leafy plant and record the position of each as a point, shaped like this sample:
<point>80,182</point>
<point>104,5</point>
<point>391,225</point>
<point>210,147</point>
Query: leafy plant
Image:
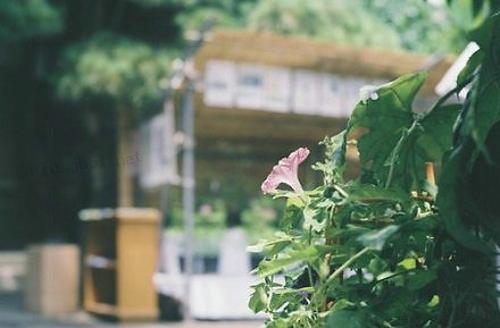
<point>393,248</point>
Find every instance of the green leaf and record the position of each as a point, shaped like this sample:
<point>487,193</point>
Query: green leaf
<point>258,299</point>
<point>310,222</point>
<point>270,267</point>
<point>483,34</point>
<point>434,301</point>
<point>483,108</point>
<point>377,266</point>
<point>336,152</point>
<point>271,247</point>
<point>386,116</point>
<point>408,263</point>
<point>341,305</point>
<point>396,143</point>
<point>383,122</point>
<point>449,202</point>
<point>472,65</point>
<point>437,134</point>
<point>420,279</point>
<point>293,216</point>
<point>367,193</point>
<point>376,239</point>
<point>465,15</point>
<point>347,319</point>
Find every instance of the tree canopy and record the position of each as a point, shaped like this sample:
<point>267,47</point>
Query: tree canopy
<point>26,19</point>
<point>113,66</point>
<point>324,20</point>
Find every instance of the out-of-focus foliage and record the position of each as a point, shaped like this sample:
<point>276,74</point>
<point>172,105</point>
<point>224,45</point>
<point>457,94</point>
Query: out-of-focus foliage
<point>420,26</point>
<point>260,219</point>
<point>22,19</point>
<point>411,24</point>
<point>228,13</point>
<point>323,20</point>
<point>120,68</point>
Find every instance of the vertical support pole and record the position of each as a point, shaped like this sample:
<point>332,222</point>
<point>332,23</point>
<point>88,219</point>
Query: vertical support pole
<point>169,113</point>
<point>188,188</point>
<point>124,179</point>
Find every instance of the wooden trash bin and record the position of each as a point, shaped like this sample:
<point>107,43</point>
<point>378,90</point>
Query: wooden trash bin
<point>120,256</point>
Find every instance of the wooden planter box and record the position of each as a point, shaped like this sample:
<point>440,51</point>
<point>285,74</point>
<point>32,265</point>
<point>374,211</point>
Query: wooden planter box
<point>120,257</point>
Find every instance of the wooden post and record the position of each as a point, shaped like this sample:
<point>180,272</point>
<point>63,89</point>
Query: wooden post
<point>429,173</point>
<point>124,178</point>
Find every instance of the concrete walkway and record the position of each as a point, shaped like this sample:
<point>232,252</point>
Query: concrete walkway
<point>13,316</point>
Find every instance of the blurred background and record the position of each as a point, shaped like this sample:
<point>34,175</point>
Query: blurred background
<point>134,136</point>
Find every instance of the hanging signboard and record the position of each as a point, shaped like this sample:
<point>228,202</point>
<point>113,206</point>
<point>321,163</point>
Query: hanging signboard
<point>158,165</point>
<point>277,88</point>
<point>306,92</point>
<point>220,82</point>
<point>330,95</point>
<point>250,86</point>
<point>280,89</point>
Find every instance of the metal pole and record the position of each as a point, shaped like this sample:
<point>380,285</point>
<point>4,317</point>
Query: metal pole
<point>168,112</point>
<point>188,189</point>
<point>188,177</point>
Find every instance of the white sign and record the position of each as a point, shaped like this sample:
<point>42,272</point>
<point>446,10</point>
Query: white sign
<point>306,92</point>
<point>250,86</point>
<point>331,96</point>
<point>277,87</point>
<point>282,90</point>
<point>158,165</point>
<point>220,83</point>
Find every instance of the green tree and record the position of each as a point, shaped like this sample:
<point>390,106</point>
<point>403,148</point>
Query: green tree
<point>25,19</point>
<point>324,20</point>
<point>420,26</point>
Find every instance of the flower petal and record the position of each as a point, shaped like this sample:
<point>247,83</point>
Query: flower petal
<point>286,171</point>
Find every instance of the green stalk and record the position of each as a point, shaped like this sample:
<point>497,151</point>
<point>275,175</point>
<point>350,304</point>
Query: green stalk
<point>344,266</point>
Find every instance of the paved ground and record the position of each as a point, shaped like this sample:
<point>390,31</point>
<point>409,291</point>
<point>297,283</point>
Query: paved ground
<point>13,316</point>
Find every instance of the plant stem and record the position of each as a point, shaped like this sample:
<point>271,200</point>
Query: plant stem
<point>344,266</point>
<point>309,271</point>
<point>340,190</point>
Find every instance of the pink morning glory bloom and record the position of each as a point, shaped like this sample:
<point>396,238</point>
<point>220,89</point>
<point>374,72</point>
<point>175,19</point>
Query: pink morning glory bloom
<point>286,171</point>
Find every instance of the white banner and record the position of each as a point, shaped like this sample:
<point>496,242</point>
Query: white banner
<point>158,165</point>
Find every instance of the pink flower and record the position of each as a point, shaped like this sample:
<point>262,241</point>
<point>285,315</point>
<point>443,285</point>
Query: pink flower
<point>286,172</point>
